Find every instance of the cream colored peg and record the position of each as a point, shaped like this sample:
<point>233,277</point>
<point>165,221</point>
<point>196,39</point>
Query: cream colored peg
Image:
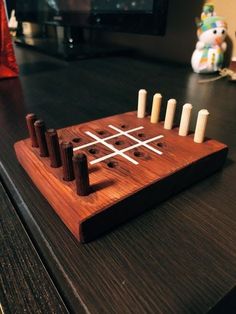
<point>13,24</point>
<point>142,101</point>
<point>201,126</point>
<point>156,108</point>
<point>170,114</point>
<point>185,120</point>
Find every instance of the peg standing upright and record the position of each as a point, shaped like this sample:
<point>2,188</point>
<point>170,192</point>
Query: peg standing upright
<point>80,164</point>
<point>156,108</point>
<point>170,114</point>
<point>40,130</point>
<point>66,158</point>
<point>142,102</point>
<point>201,126</point>
<point>30,120</point>
<point>185,120</point>
<point>53,148</point>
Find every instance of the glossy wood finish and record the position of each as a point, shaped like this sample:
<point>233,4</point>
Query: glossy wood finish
<point>25,284</point>
<point>179,257</point>
<point>119,188</point>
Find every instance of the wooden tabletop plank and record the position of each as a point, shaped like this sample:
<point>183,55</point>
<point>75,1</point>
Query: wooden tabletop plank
<point>25,284</point>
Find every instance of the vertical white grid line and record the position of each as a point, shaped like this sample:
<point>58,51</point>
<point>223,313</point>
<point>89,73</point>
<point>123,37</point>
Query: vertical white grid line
<point>136,140</point>
<point>111,147</point>
<point>107,138</point>
<point>117,151</point>
<point>124,150</point>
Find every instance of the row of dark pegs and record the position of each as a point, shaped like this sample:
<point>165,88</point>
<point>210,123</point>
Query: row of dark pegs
<point>60,154</point>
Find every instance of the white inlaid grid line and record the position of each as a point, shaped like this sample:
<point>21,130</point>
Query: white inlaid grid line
<point>122,151</point>
<point>143,143</point>
<point>117,151</point>
<point>107,138</point>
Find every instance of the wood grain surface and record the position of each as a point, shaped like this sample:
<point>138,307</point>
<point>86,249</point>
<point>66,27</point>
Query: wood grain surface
<point>119,188</point>
<point>25,284</point>
<point>179,257</point>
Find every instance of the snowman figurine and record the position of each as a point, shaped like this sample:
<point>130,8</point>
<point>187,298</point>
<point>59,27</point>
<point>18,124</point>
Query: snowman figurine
<point>209,53</point>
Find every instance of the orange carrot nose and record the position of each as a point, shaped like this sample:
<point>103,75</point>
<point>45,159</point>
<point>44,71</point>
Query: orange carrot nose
<point>218,40</point>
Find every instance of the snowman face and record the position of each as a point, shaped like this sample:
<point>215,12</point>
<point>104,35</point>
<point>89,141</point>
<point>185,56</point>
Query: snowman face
<point>215,36</point>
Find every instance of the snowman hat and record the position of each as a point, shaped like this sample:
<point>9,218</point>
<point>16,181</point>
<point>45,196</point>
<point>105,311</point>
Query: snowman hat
<point>208,8</point>
<point>211,23</point>
<point>209,19</point>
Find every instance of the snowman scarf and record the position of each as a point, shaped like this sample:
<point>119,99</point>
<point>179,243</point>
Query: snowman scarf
<point>204,61</point>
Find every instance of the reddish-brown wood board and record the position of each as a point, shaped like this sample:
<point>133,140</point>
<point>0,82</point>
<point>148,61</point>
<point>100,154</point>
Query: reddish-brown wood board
<point>133,165</point>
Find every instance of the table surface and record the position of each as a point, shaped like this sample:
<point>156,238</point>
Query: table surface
<point>25,284</point>
<point>177,258</point>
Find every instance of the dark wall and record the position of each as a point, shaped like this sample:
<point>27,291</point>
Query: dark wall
<point>178,43</point>
<point>180,39</point>
<point>11,4</point>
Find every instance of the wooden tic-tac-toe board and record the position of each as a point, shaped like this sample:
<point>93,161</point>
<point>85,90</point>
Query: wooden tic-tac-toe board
<point>133,164</point>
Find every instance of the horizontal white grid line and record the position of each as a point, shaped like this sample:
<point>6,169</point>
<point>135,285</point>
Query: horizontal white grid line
<point>125,150</point>
<point>107,138</point>
<point>135,139</point>
<point>118,152</point>
<point>95,161</point>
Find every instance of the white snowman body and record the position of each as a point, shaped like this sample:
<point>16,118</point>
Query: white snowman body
<point>208,55</point>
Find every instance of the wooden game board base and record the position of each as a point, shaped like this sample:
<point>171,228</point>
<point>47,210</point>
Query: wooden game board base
<point>133,166</point>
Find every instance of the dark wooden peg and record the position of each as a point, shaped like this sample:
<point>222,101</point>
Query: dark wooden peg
<point>53,148</point>
<point>30,119</point>
<point>66,158</point>
<point>40,129</point>
<point>80,164</point>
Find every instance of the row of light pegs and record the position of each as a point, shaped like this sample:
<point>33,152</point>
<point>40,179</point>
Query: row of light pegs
<point>60,154</point>
<point>201,124</point>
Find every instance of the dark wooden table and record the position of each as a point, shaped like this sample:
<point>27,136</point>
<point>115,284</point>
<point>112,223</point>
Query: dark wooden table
<point>177,258</point>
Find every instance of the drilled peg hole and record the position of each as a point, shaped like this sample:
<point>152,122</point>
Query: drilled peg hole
<point>101,132</point>
<point>123,126</point>
<point>112,164</point>
<point>141,135</point>
<point>76,140</point>
<point>138,154</point>
<point>161,144</point>
<point>119,143</point>
<point>93,151</point>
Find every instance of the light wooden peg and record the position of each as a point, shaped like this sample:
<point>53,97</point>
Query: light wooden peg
<point>142,101</point>
<point>201,126</point>
<point>156,108</point>
<point>170,114</point>
<point>185,120</point>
